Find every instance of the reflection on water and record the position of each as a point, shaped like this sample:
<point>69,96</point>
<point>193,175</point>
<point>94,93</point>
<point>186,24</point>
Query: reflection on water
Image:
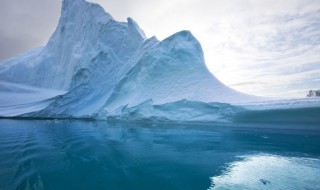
<point>82,155</point>
<point>269,172</point>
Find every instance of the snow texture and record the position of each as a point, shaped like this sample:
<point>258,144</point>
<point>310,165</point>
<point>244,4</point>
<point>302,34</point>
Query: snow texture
<point>99,68</point>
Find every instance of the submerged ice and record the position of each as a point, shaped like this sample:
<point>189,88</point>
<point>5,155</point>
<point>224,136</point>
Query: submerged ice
<point>96,67</point>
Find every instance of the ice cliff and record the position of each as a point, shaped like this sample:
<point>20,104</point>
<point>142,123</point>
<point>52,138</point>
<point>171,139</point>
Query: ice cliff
<point>96,67</point>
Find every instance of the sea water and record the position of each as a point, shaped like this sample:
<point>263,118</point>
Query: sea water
<point>89,155</point>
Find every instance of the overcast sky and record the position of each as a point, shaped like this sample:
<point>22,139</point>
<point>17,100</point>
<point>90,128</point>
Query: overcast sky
<point>266,47</point>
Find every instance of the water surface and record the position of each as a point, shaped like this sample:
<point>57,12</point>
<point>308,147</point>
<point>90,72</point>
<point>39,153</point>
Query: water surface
<point>66,154</point>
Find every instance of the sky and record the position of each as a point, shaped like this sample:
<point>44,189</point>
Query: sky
<point>265,48</point>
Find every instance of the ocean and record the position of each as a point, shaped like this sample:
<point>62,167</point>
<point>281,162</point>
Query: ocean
<point>98,155</point>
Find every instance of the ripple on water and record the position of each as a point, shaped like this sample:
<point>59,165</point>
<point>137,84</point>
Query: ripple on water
<point>95,155</point>
<point>33,182</point>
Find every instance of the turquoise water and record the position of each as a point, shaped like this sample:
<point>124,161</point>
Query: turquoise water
<point>83,155</point>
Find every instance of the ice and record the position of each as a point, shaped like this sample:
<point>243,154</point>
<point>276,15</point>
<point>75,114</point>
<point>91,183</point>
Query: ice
<point>96,67</point>
<point>86,56</point>
<point>172,70</point>
<point>314,93</point>
<point>17,99</point>
<point>182,111</point>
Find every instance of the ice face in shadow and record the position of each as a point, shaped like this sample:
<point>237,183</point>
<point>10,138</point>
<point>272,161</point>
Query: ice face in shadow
<point>269,172</point>
<point>182,111</point>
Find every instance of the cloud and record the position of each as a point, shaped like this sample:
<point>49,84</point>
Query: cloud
<point>276,48</point>
<point>26,24</point>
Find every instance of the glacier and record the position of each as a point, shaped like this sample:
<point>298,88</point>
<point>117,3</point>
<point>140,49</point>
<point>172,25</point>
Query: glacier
<point>95,67</point>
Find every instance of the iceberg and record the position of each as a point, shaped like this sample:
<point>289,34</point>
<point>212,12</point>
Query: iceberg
<point>314,93</point>
<point>96,67</point>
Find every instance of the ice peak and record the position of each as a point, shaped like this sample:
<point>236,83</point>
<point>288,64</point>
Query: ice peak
<point>77,9</point>
<point>133,24</point>
<point>69,3</point>
<point>72,1</point>
<point>183,40</point>
<point>184,34</point>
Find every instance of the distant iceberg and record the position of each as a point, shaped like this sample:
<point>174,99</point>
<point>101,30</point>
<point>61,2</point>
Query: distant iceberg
<point>98,68</point>
<point>314,93</point>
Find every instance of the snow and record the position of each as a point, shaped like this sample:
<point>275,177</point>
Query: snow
<point>17,99</point>
<point>96,67</point>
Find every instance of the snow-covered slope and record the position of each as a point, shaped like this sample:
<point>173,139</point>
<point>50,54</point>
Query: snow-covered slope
<point>96,67</point>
